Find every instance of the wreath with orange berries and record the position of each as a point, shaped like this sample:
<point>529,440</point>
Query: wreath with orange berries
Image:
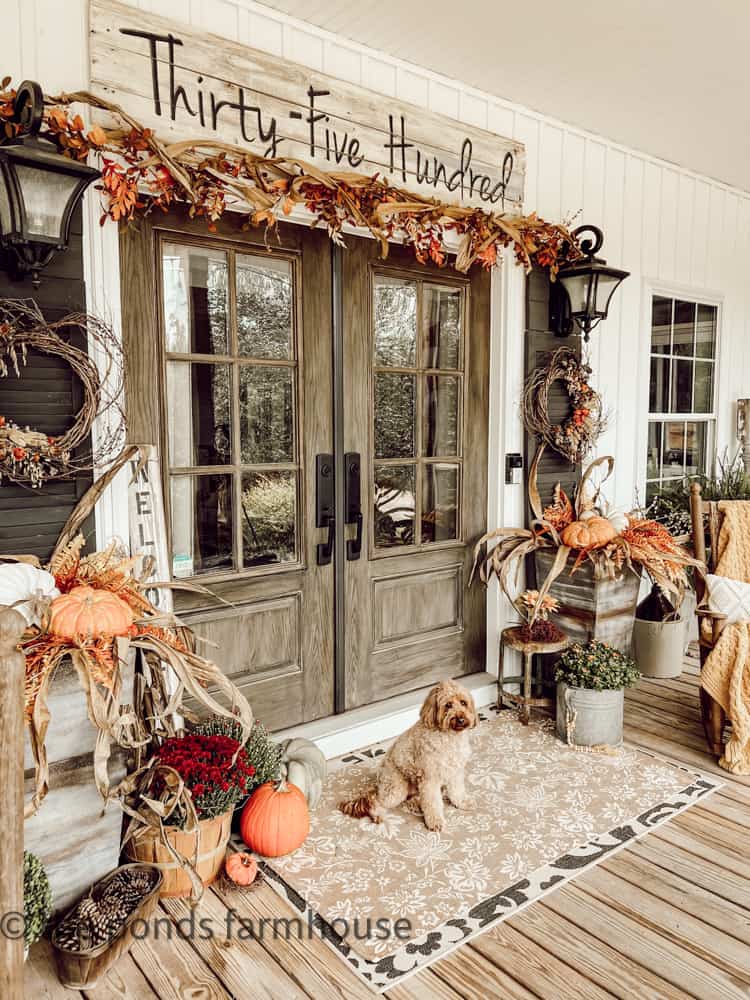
<point>574,437</point>
<point>30,457</point>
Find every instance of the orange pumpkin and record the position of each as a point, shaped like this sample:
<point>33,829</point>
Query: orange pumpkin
<point>275,820</point>
<point>241,868</point>
<point>589,534</point>
<point>85,613</point>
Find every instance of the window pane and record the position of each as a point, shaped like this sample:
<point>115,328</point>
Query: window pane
<point>441,322</point>
<point>684,328</point>
<point>673,462</point>
<point>695,448</point>
<point>395,322</point>
<point>704,387</point>
<point>440,502</point>
<point>658,398</point>
<point>440,418</point>
<point>201,524</point>
<point>394,505</point>
<point>653,459</point>
<point>705,333</point>
<point>266,414</point>
<point>198,420</point>
<point>661,324</point>
<point>395,404</point>
<point>264,307</point>
<point>269,517</point>
<point>682,386</point>
<point>195,299</point>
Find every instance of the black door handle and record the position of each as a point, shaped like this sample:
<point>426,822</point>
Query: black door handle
<point>353,503</point>
<point>325,549</point>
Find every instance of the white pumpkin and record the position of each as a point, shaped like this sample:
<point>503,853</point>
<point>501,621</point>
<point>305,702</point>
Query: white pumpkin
<point>26,589</point>
<point>618,519</point>
<point>304,765</point>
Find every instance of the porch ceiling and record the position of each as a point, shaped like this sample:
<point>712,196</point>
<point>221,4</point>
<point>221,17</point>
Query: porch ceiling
<point>665,78</point>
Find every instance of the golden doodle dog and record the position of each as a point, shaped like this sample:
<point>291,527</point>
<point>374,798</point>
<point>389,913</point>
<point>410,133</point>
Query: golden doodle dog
<point>429,757</point>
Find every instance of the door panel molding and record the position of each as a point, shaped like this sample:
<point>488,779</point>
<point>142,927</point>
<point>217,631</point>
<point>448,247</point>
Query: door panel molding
<point>416,597</point>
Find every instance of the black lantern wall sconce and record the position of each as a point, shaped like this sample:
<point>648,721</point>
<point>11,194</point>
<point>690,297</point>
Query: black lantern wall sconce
<point>584,289</point>
<point>39,189</point>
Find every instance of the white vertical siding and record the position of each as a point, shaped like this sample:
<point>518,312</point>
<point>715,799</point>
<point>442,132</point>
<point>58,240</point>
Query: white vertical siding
<point>666,225</point>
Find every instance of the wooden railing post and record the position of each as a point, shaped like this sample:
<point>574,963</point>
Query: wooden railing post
<point>12,674</point>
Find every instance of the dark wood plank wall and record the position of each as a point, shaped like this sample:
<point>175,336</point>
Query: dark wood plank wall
<point>46,396</point>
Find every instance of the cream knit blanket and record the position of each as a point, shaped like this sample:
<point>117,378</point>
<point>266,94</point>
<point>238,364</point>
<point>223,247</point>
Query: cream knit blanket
<point>726,672</point>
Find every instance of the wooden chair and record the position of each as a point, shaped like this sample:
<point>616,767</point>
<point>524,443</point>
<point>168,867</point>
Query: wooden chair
<point>701,510</point>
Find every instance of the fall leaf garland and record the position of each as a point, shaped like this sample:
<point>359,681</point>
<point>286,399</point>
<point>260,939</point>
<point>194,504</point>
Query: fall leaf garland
<point>140,173</point>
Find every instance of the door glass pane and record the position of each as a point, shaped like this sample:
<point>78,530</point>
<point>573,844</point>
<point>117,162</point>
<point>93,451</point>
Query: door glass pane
<point>395,404</point>
<point>395,322</point>
<point>201,524</point>
<point>196,305</point>
<point>653,459</point>
<point>440,502</point>
<point>682,386</point>
<point>658,399</point>
<point>441,323</point>
<point>266,414</point>
<point>264,307</point>
<point>198,414</point>
<point>440,415</point>
<point>705,332</point>
<point>704,387</point>
<point>684,328</point>
<point>695,448</point>
<point>661,325</point>
<point>673,461</point>
<point>269,517</point>
<point>394,512</point>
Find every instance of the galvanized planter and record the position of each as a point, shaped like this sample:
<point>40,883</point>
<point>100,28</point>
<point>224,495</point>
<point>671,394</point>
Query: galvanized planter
<point>595,716</point>
<point>589,608</point>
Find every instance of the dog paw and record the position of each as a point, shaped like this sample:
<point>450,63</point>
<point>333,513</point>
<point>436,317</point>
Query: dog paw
<point>436,825</point>
<point>464,803</point>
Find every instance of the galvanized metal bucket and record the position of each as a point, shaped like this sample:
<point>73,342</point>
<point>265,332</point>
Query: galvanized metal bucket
<point>590,717</point>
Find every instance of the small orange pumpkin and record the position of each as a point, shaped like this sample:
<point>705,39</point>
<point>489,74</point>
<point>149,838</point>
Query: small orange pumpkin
<point>241,868</point>
<point>85,613</point>
<point>589,534</point>
<point>275,820</point>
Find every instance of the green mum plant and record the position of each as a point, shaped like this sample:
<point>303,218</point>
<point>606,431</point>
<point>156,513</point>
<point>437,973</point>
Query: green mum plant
<point>37,898</point>
<point>262,752</point>
<point>596,666</point>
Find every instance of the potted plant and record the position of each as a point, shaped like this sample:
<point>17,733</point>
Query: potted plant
<point>37,900</point>
<point>537,626</point>
<point>591,679</point>
<point>659,635</point>
<point>196,781</point>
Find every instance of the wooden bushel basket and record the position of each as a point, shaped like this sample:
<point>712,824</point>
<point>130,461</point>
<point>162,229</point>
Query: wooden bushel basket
<point>83,969</point>
<point>213,837</point>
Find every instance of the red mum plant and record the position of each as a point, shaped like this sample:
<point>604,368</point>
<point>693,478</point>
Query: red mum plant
<point>215,769</point>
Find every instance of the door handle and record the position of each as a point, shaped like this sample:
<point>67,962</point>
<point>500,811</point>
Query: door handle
<point>352,465</point>
<point>324,506</point>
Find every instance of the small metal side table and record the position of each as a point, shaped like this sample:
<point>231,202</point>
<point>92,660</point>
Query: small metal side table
<point>512,637</point>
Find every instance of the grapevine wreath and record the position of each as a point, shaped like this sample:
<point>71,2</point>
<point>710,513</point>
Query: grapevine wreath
<point>576,435</point>
<point>30,457</point>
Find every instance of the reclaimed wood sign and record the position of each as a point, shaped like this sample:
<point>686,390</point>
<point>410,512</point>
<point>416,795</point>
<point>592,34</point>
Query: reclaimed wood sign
<point>185,83</point>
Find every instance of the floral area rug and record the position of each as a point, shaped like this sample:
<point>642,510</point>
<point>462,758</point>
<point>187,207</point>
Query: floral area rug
<point>541,813</point>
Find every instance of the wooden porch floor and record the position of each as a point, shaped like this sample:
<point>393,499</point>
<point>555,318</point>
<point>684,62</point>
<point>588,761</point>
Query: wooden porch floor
<point>669,917</point>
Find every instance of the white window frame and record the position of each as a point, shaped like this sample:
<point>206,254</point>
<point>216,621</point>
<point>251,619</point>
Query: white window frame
<point>713,419</point>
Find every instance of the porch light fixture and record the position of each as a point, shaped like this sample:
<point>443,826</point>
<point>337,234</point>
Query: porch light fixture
<point>585,288</point>
<point>39,189</point>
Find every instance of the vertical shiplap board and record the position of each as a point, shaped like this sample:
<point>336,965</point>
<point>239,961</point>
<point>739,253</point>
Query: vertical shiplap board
<point>549,173</point>
<point>10,41</point>
<point>527,132</point>
<point>714,236</point>
<point>668,225</point>
<point>684,241</point>
<point>633,349</point>
<point>571,177</point>
<point>594,174</point>
<point>651,217</point>
<point>699,255</point>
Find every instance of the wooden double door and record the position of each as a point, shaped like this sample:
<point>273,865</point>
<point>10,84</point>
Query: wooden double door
<point>321,416</point>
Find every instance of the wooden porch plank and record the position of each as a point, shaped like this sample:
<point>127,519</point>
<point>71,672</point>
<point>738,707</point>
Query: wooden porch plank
<point>597,959</point>
<point>670,834</point>
<point>687,714</point>
<point>235,960</point>
<point>174,969</point>
<point>471,975</point>
<point>124,981</point>
<point>637,940</point>
<point>40,975</point>
<point>534,966</point>
<point>683,895</point>
<point>715,948</point>
<point>697,870</point>
<point>656,741</point>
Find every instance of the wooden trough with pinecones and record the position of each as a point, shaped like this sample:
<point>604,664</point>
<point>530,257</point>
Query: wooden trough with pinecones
<point>99,928</point>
